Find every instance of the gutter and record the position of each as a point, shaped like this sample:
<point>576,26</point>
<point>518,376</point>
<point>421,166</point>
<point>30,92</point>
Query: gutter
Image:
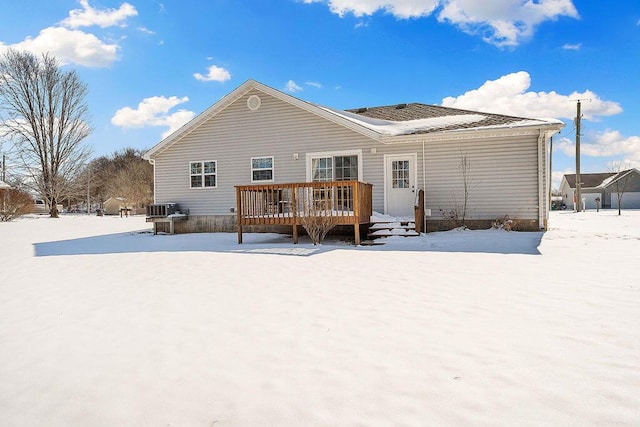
<point>471,133</point>
<point>542,211</point>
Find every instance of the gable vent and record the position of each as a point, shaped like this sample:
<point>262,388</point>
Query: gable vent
<point>254,102</point>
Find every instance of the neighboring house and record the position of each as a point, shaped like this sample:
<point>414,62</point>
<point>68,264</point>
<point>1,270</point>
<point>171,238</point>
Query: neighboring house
<point>605,187</point>
<point>113,205</point>
<point>258,135</point>
<point>42,207</point>
<point>117,205</point>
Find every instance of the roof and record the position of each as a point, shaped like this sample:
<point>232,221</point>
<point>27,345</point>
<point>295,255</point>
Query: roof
<point>435,118</point>
<point>384,124</point>
<point>117,199</point>
<point>595,180</point>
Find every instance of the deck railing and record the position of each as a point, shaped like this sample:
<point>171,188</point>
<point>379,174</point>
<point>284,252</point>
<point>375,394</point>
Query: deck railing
<point>344,202</point>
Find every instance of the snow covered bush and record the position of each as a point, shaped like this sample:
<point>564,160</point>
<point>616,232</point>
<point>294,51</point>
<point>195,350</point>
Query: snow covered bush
<point>14,203</point>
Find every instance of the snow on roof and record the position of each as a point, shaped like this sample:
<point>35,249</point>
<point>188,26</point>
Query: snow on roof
<point>4,185</point>
<point>408,119</point>
<point>407,127</point>
<point>606,181</point>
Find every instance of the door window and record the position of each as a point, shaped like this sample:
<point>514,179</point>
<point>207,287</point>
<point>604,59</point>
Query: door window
<point>400,174</point>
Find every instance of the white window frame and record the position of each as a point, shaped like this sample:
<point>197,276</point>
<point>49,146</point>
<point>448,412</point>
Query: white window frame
<point>311,156</point>
<point>272,168</point>
<point>202,174</point>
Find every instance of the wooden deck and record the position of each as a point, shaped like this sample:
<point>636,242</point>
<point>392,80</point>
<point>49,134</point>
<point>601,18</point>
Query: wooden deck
<point>342,202</point>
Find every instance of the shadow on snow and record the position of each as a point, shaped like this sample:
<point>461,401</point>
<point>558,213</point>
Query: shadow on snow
<point>477,241</point>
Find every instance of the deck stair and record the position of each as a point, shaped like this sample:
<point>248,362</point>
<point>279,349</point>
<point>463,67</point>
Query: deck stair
<point>405,228</point>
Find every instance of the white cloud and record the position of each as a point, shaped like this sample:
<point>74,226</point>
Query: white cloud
<point>74,46</point>
<point>609,143</point>
<point>314,84</point>
<point>146,30</point>
<point>215,73</point>
<point>556,177</point>
<point>504,22</point>
<point>508,95</point>
<point>88,16</point>
<point>154,111</point>
<point>499,22</point>
<point>292,87</point>
<point>568,46</point>
<point>70,46</point>
<point>176,120</point>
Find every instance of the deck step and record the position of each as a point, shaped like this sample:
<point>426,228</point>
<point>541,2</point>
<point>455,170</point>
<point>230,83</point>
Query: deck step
<point>370,242</point>
<point>394,232</point>
<point>392,228</point>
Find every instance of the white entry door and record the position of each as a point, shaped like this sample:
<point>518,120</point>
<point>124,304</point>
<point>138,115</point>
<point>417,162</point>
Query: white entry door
<point>400,184</point>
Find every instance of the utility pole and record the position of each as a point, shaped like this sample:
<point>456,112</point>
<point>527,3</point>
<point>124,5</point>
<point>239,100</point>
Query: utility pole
<point>578,193</point>
<point>4,168</point>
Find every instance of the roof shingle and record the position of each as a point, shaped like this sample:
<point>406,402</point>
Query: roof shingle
<point>416,111</point>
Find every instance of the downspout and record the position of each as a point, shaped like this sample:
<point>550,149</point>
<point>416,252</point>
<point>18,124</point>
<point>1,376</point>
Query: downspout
<point>424,188</point>
<point>153,162</point>
<point>542,211</point>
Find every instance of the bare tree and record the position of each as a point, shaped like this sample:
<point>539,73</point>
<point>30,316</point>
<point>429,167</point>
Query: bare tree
<point>465,169</point>
<point>456,215</point>
<point>45,115</point>
<point>620,180</point>
<point>130,177</point>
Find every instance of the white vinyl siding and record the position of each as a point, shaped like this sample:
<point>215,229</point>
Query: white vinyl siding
<point>504,169</point>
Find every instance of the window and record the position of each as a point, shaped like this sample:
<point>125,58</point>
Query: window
<point>203,174</point>
<point>261,169</point>
<point>322,169</point>
<point>346,168</point>
<point>335,166</point>
<point>338,166</point>
<point>400,173</point>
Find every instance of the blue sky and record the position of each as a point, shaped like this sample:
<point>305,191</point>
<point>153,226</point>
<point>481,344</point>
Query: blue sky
<point>152,65</point>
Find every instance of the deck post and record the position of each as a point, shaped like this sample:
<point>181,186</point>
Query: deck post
<point>419,212</point>
<point>356,212</point>
<point>294,208</point>
<point>239,213</point>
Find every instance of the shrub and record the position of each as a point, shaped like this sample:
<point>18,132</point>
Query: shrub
<point>317,218</point>
<point>14,203</point>
<point>452,218</point>
<point>506,223</point>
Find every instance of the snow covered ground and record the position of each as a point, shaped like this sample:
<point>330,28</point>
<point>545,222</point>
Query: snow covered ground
<point>104,325</point>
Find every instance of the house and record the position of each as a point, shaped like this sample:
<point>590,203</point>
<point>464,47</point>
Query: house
<point>604,186</point>
<point>119,205</point>
<point>258,135</point>
<point>113,205</point>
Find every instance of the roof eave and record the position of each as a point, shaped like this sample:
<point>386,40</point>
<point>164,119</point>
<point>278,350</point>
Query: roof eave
<point>474,133</point>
